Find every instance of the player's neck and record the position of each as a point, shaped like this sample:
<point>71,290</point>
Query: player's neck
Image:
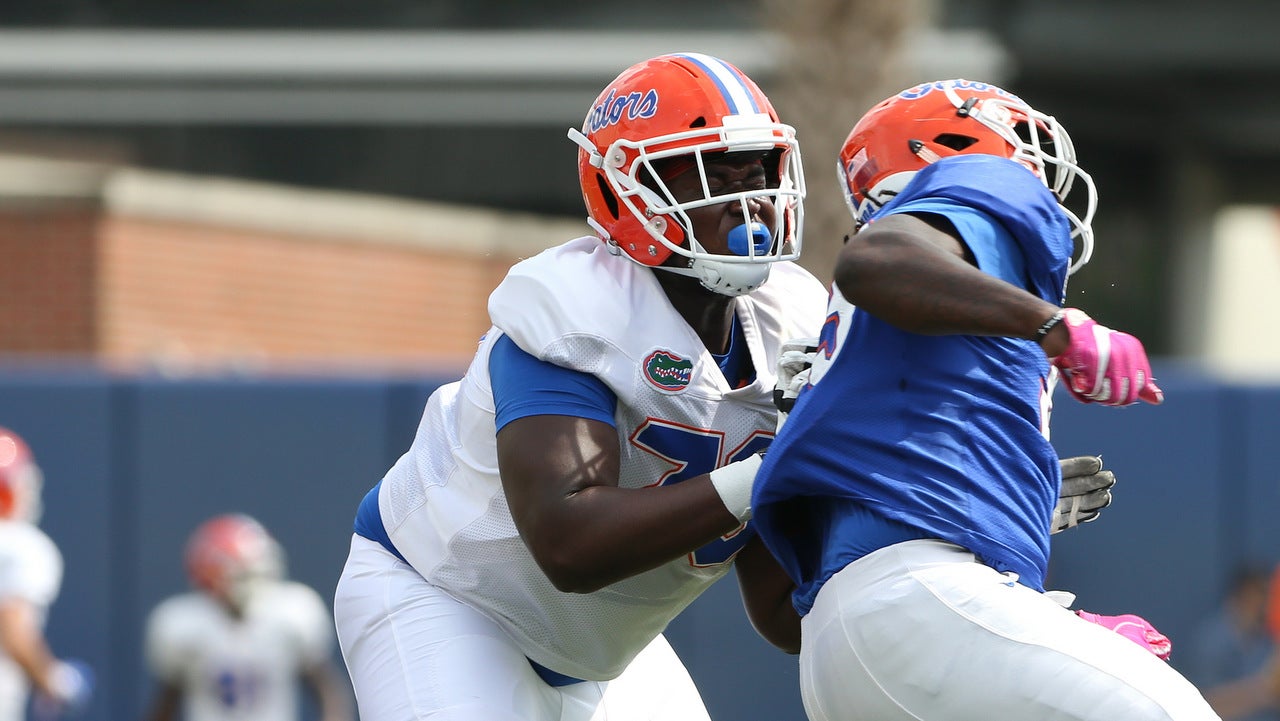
<point>708,313</point>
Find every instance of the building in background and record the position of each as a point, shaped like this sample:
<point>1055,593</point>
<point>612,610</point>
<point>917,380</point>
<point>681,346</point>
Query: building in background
<point>143,270</point>
<point>467,103</point>
<point>367,171</point>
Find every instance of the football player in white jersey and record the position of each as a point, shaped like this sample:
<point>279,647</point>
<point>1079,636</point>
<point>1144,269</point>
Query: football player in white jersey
<point>236,648</point>
<point>30,578</point>
<point>590,474</point>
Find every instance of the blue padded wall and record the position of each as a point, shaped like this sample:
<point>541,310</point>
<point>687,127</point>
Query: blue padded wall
<point>132,464</point>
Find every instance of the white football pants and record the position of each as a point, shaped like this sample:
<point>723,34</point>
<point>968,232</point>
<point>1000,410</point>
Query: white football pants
<point>920,631</point>
<point>414,652</point>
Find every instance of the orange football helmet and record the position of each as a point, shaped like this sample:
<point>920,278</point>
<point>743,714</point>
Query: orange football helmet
<point>934,120</point>
<point>686,106</point>
<point>1273,605</point>
<point>20,479</point>
<point>231,555</point>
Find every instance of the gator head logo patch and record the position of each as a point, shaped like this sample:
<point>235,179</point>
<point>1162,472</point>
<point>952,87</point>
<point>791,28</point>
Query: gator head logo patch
<point>668,371</point>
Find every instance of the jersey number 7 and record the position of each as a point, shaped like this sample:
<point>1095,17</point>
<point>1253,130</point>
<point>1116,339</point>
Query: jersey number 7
<point>693,452</point>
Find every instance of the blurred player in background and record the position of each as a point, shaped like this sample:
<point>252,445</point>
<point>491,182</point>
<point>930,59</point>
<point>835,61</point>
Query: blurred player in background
<point>30,577</point>
<point>591,473</point>
<point>237,646</point>
<point>1232,657</point>
<point>911,491</point>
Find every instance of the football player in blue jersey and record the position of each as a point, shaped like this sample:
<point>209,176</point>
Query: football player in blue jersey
<point>911,492</point>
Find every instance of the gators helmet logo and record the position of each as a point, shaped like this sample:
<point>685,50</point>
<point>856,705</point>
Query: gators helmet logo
<point>668,371</point>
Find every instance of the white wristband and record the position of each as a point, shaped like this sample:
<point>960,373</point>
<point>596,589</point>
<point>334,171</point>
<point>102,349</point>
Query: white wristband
<point>734,483</point>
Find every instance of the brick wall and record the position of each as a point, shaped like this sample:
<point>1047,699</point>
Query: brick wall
<point>193,274</point>
<point>48,278</point>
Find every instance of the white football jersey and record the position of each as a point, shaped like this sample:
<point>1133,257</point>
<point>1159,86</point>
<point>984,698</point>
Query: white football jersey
<point>237,669</point>
<point>581,307</point>
<point>31,570</point>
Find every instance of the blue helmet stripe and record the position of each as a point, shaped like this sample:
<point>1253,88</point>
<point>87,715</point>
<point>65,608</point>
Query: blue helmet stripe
<point>736,93</point>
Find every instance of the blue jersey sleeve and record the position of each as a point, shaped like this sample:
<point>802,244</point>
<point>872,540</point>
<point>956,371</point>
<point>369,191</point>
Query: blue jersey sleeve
<point>994,249</point>
<point>1011,194</point>
<point>525,386</point>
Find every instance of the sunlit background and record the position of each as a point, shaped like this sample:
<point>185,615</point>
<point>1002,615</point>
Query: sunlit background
<point>240,241</point>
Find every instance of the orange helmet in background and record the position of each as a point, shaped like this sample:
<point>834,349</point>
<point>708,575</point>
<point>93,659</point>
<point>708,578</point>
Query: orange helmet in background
<point>231,556</point>
<point>20,479</point>
<point>1273,605</point>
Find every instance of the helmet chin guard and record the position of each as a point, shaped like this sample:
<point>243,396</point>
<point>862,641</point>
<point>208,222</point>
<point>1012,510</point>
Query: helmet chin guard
<point>733,279</point>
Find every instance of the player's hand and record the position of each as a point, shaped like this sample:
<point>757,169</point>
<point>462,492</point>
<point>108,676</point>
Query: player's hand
<point>70,690</point>
<point>795,360</point>
<point>1136,629</point>
<point>1105,366</point>
<point>1085,491</point>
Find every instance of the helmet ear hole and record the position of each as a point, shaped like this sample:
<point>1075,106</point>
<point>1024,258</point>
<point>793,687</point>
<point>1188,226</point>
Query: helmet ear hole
<point>606,192</point>
<point>1022,129</point>
<point>955,141</point>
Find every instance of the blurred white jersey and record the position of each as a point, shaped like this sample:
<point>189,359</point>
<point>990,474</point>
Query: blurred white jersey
<point>30,570</point>
<point>237,669</point>
<point>581,307</point>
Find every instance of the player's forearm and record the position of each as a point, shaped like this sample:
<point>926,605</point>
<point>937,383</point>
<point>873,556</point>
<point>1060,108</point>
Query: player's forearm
<point>331,698</point>
<point>766,595</point>
<point>605,534</point>
<point>22,641</point>
<point>37,663</point>
<point>166,704</point>
<point>903,279</point>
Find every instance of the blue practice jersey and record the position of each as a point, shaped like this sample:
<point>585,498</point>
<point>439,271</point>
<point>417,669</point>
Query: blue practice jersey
<point>914,436</point>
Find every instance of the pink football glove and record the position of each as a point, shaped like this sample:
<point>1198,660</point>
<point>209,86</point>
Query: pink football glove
<point>1105,366</point>
<point>1134,628</point>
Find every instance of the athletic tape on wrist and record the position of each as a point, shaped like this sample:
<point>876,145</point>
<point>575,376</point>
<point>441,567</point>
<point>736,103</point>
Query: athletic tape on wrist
<point>734,482</point>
